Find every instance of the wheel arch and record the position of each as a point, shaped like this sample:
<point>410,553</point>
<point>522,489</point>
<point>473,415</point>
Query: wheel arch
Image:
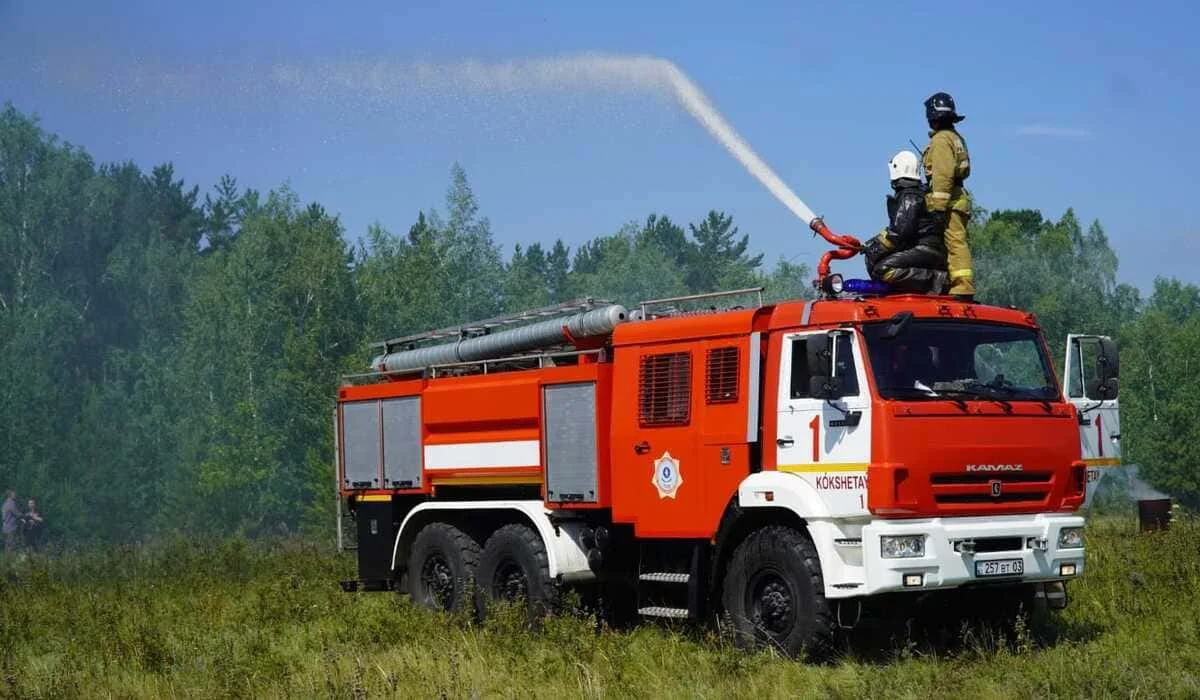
<point>565,552</point>
<point>736,526</point>
<point>762,499</point>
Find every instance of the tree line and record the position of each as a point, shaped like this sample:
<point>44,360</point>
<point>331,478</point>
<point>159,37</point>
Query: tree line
<point>168,359</point>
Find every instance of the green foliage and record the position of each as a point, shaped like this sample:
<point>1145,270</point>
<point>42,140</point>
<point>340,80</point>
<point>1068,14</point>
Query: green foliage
<point>787,281</point>
<point>1068,277</point>
<point>199,618</point>
<point>94,267</point>
<point>630,265</point>
<point>718,259</point>
<point>268,325</point>
<point>527,279</point>
<point>1160,383</point>
<point>658,259</point>
<point>446,271</point>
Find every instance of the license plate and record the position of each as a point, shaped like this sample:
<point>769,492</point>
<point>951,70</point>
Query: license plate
<point>1000,567</point>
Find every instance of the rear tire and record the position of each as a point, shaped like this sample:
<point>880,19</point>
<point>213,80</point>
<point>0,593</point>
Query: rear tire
<point>514,567</point>
<point>441,567</point>
<point>774,595</point>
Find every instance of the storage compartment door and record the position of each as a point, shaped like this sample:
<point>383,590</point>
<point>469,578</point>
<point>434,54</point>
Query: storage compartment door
<point>569,417</point>
<point>360,445</point>
<point>402,442</point>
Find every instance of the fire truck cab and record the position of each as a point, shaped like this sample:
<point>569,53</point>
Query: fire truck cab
<point>778,464</point>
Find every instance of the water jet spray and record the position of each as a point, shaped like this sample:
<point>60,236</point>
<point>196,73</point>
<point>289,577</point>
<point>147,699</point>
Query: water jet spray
<point>595,71</point>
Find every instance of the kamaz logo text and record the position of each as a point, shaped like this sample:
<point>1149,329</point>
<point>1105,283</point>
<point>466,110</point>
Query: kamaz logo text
<point>995,467</point>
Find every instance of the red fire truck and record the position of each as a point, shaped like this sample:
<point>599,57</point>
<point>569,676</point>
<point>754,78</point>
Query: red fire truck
<point>776,465</point>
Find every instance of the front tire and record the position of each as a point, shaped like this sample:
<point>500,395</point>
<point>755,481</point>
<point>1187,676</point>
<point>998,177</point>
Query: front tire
<point>774,595</point>
<point>441,567</point>
<point>514,567</point>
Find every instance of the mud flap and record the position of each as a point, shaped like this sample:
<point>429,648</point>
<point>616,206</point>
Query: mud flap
<point>376,536</point>
<point>1052,595</point>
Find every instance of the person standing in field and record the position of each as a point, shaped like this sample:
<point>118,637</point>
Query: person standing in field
<point>34,524</point>
<point>947,166</point>
<point>12,521</point>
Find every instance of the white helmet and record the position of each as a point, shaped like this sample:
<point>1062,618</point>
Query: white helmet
<point>905,164</point>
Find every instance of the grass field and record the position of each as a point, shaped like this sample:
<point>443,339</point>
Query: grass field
<point>181,619</point>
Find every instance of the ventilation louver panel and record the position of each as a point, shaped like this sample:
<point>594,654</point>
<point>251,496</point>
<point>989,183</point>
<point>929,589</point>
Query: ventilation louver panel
<point>664,384</point>
<point>721,375</point>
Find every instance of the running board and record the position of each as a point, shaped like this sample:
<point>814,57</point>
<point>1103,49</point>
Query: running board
<point>665,577</point>
<point>671,579</point>
<point>662,611</point>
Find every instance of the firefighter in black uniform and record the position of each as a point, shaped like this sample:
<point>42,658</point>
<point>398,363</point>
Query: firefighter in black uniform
<point>910,254</point>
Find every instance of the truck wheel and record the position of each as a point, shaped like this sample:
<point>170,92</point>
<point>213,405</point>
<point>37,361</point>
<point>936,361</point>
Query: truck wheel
<point>441,567</point>
<point>514,567</point>
<point>774,595</point>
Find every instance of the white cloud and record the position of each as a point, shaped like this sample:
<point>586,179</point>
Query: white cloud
<point>1057,132</point>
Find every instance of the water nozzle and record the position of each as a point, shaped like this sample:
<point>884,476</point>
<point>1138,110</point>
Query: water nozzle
<point>845,246</point>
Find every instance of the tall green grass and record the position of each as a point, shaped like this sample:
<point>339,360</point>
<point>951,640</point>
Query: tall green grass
<point>238,619</point>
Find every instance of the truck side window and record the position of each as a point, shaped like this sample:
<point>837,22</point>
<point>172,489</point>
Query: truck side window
<point>1087,354</point>
<point>799,388</point>
<point>1075,381</point>
<point>843,361</point>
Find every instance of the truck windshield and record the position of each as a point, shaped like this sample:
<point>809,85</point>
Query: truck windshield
<point>935,359</point>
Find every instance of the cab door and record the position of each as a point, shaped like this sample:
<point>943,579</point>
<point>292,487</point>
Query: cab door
<point>657,479</point>
<point>826,442</point>
<point>1091,384</point>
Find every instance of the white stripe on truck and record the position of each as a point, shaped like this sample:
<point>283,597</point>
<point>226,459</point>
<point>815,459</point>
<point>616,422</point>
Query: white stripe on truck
<point>484,455</point>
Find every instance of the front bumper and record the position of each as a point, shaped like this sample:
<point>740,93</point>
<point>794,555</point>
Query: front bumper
<point>942,566</point>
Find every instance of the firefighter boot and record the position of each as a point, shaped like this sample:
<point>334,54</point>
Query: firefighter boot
<point>939,284</point>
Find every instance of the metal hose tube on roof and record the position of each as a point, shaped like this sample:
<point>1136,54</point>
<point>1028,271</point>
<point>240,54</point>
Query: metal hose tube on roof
<point>588,324</point>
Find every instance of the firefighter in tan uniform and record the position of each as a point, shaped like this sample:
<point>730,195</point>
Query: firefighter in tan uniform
<point>947,165</point>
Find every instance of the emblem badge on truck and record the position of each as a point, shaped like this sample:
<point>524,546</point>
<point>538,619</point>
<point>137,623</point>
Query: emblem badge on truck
<point>667,478</point>
<point>996,488</point>
<point>995,467</point>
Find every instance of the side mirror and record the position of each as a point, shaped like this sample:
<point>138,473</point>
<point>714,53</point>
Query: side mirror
<point>898,324</point>
<point>820,355</point>
<point>1108,364</point>
<point>1105,385</point>
<point>1101,390</point>
<point>824,387</point>
<point>822,382</point>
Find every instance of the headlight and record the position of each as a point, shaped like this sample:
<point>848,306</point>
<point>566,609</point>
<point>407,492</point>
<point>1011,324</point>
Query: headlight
<point>902,546</point>
<point>1070,538</point>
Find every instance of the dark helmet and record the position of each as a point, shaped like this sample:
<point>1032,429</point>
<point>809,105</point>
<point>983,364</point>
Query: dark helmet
<point>940,107</point>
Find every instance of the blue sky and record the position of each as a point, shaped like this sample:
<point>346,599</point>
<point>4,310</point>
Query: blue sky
<point>1087,105</point>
